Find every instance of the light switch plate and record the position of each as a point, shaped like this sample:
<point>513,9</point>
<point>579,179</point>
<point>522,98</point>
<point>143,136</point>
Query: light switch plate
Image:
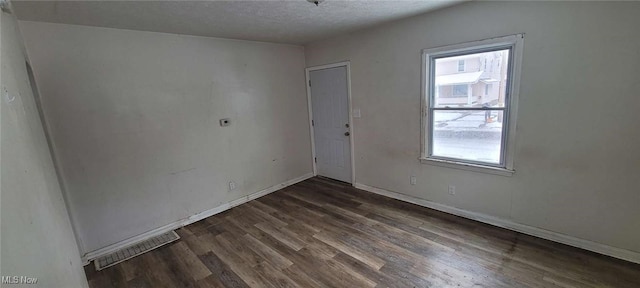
<point>356,113</point>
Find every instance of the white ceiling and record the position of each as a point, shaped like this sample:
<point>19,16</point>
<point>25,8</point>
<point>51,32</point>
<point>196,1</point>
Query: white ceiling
<point>290,21</point>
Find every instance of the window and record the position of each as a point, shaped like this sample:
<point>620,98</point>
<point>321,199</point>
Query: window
<point>475,132</point>
<point>460,65</point>
<point>460,90</point>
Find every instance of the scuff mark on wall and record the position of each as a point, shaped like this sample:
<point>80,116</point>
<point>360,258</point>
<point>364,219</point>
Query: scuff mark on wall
<point>182,171</point>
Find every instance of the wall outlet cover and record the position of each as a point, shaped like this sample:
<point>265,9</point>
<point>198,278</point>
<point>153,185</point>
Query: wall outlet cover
<point>356,113</point>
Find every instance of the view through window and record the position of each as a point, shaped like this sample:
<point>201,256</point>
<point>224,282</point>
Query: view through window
<point>468,106</point>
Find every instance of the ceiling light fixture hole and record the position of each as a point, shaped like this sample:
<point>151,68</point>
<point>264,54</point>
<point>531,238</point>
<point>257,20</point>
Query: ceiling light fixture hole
<point>317,2</point>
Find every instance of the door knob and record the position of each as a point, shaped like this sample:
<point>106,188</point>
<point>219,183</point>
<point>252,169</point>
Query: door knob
<point>347,133</point>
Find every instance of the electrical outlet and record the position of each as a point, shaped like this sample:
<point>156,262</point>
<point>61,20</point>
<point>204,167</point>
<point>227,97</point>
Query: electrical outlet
<point>232,186</point>
<point>413,180</point>
<point>452,190</point>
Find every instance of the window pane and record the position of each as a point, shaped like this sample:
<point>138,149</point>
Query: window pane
<point>460,90</point>
<point>468,135</point>
<point>460,65</point>
<point>467,87</point>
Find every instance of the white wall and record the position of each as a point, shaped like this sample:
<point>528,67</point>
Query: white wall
<point>37,239</point>
<point>134,120</point>
<point>577,154</point>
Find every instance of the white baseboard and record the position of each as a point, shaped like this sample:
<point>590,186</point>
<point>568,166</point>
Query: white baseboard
<point>89,256</point>
<point>623,254</point>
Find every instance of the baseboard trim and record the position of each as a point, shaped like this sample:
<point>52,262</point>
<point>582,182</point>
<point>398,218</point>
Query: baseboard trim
<point>619,253</point>
<point>89,256</point>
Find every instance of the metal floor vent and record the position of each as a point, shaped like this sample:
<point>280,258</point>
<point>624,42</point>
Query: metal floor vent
<point>135,250</point>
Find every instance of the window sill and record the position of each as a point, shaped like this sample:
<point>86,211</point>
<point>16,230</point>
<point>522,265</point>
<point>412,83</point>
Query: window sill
<point>468,166</point>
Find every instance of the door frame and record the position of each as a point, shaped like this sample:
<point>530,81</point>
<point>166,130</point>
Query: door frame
<point>346,64</point>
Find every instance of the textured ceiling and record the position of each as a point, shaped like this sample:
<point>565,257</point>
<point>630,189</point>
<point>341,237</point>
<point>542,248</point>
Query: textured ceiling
<point>291,21</point>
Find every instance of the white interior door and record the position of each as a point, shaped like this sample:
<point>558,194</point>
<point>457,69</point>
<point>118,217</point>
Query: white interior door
<point>330,111</point>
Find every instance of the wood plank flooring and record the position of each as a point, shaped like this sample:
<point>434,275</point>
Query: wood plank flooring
<point>322,233</point>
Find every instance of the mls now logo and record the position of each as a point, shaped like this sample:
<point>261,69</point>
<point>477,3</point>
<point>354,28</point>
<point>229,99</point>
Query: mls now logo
<point>19,280</point>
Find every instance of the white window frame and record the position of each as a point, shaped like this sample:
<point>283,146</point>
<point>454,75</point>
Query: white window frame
<point>515,44</point>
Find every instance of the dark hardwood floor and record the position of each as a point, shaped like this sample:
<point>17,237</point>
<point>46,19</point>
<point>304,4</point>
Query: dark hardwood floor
<point>321,233</point>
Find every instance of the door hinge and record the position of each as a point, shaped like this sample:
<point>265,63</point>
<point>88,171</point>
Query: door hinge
<point>312,124</point>
<point>315,159</point>
<point>309,83</point>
